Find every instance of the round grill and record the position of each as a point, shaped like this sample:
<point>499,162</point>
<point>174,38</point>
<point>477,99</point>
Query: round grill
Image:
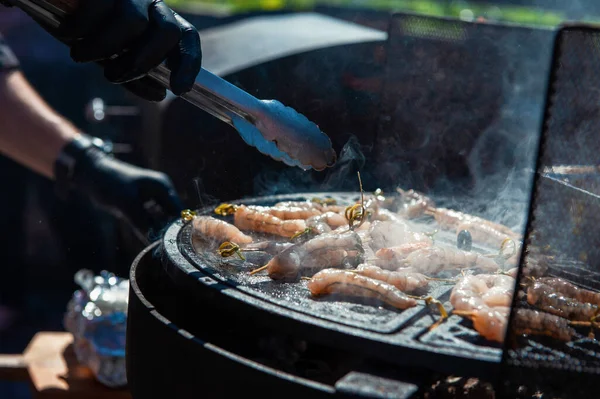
<point>360,329</point>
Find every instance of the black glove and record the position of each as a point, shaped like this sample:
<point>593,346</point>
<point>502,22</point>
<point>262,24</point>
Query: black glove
<point>143,197</point>
<point>129,38</point>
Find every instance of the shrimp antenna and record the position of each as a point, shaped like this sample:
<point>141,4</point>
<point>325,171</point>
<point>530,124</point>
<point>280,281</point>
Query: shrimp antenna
<point>362,193</point>
<point>260,269</point>
<point>363,211</point>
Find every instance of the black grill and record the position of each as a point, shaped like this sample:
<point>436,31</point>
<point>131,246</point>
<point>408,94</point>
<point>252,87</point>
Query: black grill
<point>460,110</point>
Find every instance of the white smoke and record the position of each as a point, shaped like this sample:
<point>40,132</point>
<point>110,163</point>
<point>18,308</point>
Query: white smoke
<point>341,177</point>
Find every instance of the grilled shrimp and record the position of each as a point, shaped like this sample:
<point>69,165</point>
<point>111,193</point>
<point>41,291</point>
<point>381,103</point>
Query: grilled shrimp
<point>490,323</point>
<point>325,222</point>
<point>500,289</point>
<point>486,300</point>
<point>392,258</point>
<point>485,234</point>
<point>291,212</point>
<point>318,225</point>
<point>467,294</point>
<point>533,322</point>
<point>208,226</point>
<point>571,290</point>
<point>335,281</point>
<point>433,260</point>
<point>414,204</point>
<point>389,234</point>
<point>365,238</point>
<point>550,300</point>
<point>480,298</point>
<point>404,281</point>
<point>477,291</point>
<point>385,215</point>
<point>255,219</point>
<point>324,251</point>
<point>450,219</point>
<point>400,252</point>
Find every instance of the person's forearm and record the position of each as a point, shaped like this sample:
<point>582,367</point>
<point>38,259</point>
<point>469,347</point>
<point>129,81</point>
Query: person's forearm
<point>31,133</point>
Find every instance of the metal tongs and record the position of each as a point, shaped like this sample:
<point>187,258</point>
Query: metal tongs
<point>274,129</point>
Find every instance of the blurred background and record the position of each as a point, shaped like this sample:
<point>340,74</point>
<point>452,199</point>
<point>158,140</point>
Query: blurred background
<point>45,240</point>
<point>538,12</point>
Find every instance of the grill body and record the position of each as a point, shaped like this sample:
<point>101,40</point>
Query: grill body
<point>164,359</point>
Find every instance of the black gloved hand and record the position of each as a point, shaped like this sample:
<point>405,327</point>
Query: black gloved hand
<point>143,197</point>
<point>141,34</point>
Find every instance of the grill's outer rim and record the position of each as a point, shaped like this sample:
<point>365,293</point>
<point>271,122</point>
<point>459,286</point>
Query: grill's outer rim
<point>144,314</point>
<point>402,348</point>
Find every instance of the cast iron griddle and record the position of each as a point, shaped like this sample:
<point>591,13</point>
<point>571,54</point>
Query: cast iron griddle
<point>400,337</point>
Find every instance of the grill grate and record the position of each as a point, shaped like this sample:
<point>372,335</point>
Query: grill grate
<point>296,296</point>
<point>390,335</point>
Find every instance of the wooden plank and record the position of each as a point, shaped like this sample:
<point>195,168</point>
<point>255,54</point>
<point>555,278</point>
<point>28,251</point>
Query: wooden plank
<point>55,372</point>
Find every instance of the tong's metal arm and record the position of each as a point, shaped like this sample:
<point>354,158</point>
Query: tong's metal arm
<point>207,94</point>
